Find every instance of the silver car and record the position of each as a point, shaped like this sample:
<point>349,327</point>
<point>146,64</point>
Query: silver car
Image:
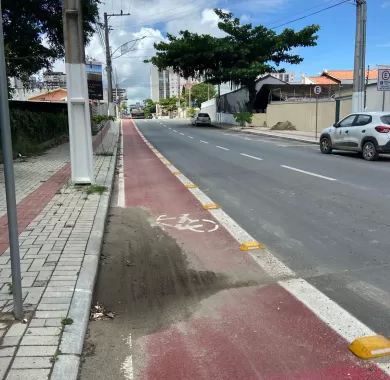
<point>201,119</point>
<point>365,132</point>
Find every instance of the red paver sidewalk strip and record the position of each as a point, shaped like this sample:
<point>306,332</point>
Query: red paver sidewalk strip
<point>241,332</point>
<point>31,206</point>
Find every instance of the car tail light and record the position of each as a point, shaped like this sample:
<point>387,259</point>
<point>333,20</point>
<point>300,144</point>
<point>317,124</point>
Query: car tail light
<point>382,129</point>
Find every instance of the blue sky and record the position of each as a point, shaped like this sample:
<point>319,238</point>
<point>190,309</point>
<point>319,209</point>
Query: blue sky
<point>335,47</point>
<point>154,18</point>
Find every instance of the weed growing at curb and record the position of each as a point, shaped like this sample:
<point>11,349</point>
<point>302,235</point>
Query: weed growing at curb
<point>95,189</point>
<point>106,154</point>
<point>10,288</point>
<point>67,321</point>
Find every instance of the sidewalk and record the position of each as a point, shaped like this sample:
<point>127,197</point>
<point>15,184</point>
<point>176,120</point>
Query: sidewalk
<point>61,228</point>
<point>301,136</point>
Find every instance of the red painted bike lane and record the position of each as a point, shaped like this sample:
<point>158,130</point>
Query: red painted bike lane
<point>257,331</point>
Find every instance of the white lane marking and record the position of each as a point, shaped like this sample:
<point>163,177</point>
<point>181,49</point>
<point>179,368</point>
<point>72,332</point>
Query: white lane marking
<point>121,179</point>
<point>190,137</point>
<point>308,173</point>
<point>254,157</point>
<point>204,142</point>
<point>127,365</point>
<point>181,133</point>
<point>222,147</point>
<point>174,130</point>
<point>323,307</point>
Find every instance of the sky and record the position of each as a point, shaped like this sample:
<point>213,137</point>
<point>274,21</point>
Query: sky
<point>152,19</point>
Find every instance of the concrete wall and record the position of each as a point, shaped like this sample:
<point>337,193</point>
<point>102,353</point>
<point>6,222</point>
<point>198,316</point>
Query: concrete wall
<point>303,115</point>
<point>375,99</point>
<point>259,119</point>
<point>210,107</point>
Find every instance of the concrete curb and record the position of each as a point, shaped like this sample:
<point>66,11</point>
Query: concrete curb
<point>291,138</point>
<point>72,340</point>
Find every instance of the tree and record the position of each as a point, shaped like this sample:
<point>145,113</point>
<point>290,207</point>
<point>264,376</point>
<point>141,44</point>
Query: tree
<point>149,107</point>
<point>201,92</point>
<point>33,35</point>
<point>169,104</point>
<point>244,53</point>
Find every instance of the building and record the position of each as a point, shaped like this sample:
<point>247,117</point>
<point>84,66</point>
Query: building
<point>285,77</point>
<point>339,77</point>
<point>56,95</point>
<point>119,95</point>
<point>165,83</point>
<point>54,79</point>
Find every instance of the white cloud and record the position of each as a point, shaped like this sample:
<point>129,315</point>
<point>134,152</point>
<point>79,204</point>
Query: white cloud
<point>151,17</point>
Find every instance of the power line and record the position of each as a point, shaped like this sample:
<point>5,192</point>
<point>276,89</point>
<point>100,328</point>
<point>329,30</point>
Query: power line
<point>311,14</point>
<point>298,13</point>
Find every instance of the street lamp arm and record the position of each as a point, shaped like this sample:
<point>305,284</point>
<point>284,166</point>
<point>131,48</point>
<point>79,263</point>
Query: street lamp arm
<point>135,40</point>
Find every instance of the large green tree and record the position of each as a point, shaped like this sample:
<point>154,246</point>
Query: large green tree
<point>33,35</point>
<point>201,92</point>
<point>239,57</point>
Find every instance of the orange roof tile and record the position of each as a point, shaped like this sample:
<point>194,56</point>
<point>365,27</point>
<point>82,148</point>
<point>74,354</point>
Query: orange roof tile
<point>57,95</point>
<point>348,74</point>
<point>323,80</point>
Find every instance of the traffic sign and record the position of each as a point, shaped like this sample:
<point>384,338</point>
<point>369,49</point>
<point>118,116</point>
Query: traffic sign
<point>383,83</point>
<point>317,90</point>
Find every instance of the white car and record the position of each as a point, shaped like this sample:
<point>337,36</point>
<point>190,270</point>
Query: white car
<point>201,119</point>
<point>365,132</point>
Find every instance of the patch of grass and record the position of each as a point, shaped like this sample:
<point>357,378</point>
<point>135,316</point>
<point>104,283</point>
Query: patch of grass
<point>92,189</point>
<point>10,288</point>
<point>105,154</point>
<point>54,358</point>
<point>67,321</point>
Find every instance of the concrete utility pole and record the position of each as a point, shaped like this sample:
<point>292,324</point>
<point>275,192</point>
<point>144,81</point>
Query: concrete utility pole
<point>360,56</point>
<point>80,139</point>
<point>108,50</point>
<point>9,183</point>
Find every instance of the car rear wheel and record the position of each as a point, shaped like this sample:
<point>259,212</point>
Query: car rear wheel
<point>369,151</point>
<point>326,145</point>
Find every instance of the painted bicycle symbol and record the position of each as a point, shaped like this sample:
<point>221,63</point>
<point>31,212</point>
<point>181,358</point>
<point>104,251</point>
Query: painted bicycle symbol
<point>184,222</point>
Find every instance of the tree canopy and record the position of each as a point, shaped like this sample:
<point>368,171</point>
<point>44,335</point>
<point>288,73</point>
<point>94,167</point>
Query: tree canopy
<point>243,54</point>
<point>33,35</point>
<point>201,92</point>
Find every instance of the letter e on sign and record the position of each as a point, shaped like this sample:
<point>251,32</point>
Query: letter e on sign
<point>317,90</point>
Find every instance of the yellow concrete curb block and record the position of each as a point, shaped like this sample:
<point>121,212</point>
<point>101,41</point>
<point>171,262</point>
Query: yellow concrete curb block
<point>210,206</point>
<point>247,245</point>
<point>190,186</point>
<point>370,347</point>
<point>176,173</point>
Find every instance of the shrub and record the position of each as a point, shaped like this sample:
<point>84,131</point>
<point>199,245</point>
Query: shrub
<point>243,117</point>
<point>283,126</point>
<point>191,112</point>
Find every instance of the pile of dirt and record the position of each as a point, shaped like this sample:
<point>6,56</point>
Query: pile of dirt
<point>283,126</point>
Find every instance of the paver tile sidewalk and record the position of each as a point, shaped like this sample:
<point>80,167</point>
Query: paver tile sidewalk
<point>53,246</point>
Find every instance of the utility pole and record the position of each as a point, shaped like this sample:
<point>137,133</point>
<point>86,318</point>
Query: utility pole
<point>360,56</point>
<point>108,50</point>
<point>80,139</point>
<point>9,183</point>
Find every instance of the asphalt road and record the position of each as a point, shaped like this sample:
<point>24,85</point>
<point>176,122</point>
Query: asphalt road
<point>326,217</point>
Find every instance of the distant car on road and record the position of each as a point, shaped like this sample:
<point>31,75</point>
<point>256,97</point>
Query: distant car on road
<point>364,132</point>
<point>201,119</point>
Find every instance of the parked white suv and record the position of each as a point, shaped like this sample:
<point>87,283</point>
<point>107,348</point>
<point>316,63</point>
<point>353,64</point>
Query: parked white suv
<point>365,132</point>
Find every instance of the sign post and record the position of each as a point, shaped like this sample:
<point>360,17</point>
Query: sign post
<point>317,91</point>
<point>10,184</point>
<point>383,83</point>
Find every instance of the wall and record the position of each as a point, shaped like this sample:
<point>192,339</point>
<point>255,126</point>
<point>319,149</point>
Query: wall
<point>375,99</point>
<point>259,119</point>
<point>303,115</point>
<point>210,107</point>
